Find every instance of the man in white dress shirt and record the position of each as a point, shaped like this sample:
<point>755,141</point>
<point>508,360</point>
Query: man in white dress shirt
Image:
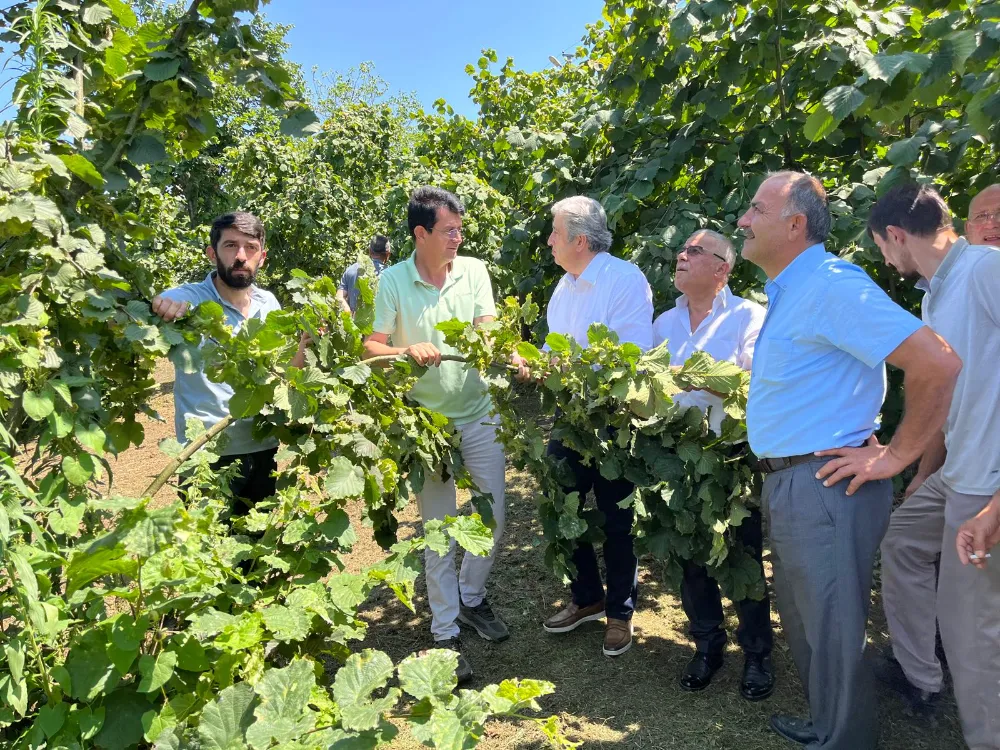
<point>708,317</point>
<point>598,288</point>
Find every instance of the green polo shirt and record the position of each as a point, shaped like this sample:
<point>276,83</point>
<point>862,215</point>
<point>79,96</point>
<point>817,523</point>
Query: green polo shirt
<point>408,309</point>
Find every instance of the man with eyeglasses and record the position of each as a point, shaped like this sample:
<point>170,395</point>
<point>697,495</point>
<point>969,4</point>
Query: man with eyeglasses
<point>597,288</point>
<point>708,317</point>
<point>433,285</point>
<point>959,473</point>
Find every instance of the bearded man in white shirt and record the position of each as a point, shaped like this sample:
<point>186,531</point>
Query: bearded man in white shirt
<point>598,288</point>
<point>708,317</point>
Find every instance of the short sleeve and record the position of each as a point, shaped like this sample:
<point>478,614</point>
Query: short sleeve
<point>386,307</point>
<point>986,284</point>
<point>483,290</point>
<point>856,316</point>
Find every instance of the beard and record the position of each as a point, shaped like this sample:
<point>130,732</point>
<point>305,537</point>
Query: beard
<point>230,279</point>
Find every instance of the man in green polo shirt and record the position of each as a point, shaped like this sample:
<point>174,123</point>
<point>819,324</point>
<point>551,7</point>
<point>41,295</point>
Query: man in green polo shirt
<point>433,285</point>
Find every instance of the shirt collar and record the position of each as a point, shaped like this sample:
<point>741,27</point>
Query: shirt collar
<point>802,267</point>
<point>209,282</point>
<point>721,301</point>
<point>593,269</point>
<point>454,273</point>
<point>954,253</point>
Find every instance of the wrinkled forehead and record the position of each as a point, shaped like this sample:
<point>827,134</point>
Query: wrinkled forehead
<point>705,240</point>
<point>987,200</point>
<point>447,219</point>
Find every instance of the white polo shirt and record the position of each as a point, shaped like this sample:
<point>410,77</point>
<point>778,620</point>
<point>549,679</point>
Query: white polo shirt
<point>963,306</point>
<point>611,291</point>
<point>729,332</point>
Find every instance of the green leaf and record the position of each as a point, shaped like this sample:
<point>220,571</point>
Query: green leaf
<point>282,714</point>
<point>571,525</point>
<point>300,123</point>
<point>287,624</point>
<point>429,676</point>
<point>95,13</point>
<point>38,405</point>
<point>161,70</point>
<point>125,15</point>
<point>90,669</point>
<point>51,718</point>
<point>906,151</point>
<point>887,67</point>
<point>78,469</point>
<point>156,672</point>
<point>247,402</point>
<point>819,124</point>
<point>842,100</point>
<point>122,727</point>
<point>470,533</point>
<point>225,720</point>
<point>91,436</point>
<point>146,149</point>
<point>83,168</point>
<point>354,684</point>
<point>702,371</point>
<point>344,479</point>
<point>85,567</point>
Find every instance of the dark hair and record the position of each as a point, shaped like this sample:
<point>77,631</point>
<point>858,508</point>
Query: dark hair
<point>379,245</point>
<point>917,209</point>
<point>424,203</point>
<point>807,196</point>
<point>241,221</point>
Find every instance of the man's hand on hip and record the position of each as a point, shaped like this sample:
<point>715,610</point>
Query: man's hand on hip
<point>169,309</point>
<point>869,462</point>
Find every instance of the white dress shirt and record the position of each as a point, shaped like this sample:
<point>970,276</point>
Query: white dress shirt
<point>729,332</point>
<point>611,291</point>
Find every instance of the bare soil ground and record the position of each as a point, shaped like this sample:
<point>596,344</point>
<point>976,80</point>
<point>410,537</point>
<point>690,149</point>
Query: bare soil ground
<point>630,702</point>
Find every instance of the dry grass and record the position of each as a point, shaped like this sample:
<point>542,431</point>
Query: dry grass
<point>630,702</point>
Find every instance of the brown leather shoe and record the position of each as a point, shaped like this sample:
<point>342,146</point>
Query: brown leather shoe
<point>573,617</point>
<point>617,637</point>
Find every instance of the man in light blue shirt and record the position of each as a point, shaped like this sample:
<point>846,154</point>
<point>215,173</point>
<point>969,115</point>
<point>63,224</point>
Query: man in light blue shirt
<point>347,290</point>
<point>817,384</point>
<point>237,249</point>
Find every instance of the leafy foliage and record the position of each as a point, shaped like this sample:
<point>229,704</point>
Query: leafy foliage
<point>132,623</point>
<point>614,405</point>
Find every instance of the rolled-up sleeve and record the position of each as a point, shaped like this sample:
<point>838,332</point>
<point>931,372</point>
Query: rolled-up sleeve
<point>856,316</point>
<point>631,314</point>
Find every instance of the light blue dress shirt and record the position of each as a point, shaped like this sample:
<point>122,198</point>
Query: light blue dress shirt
<point>818,377</point>
<point>197,396</point>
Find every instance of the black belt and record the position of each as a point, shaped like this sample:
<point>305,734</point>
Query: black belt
<point>768,465</point>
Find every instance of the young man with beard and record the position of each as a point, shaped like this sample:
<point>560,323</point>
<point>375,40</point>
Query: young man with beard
<point>959,472</point>
<point>816,388</point>
<point>236,247</point>
<point>708,317</point>
<point>434,285</point>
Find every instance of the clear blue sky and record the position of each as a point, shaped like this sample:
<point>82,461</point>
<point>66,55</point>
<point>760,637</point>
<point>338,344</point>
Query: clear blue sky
<point>423,46</point>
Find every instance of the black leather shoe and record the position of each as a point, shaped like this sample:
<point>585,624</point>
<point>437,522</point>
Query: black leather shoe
<point>916,701</point>
<point>699,671</point>
<point>794,729</point>
<point>758,677</point>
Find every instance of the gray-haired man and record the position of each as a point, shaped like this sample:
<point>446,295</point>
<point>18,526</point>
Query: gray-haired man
<point>598,288</point>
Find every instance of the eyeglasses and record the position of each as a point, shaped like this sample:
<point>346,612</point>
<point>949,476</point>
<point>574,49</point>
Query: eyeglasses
<point>693,250</point>
<point>983,216</point>
<point>453,234</point>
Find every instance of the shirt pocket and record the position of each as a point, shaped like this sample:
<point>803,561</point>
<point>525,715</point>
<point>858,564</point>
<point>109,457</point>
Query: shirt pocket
<point>777,360</point>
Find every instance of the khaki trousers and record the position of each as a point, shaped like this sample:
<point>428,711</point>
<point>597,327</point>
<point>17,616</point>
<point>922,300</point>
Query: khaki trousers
<point>965,602</point>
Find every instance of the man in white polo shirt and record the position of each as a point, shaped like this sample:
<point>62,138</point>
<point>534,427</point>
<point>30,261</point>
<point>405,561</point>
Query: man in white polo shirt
<point>913,228</point>
<point>598,288</point>
<point>708,317</point>
<point>434,285</point>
